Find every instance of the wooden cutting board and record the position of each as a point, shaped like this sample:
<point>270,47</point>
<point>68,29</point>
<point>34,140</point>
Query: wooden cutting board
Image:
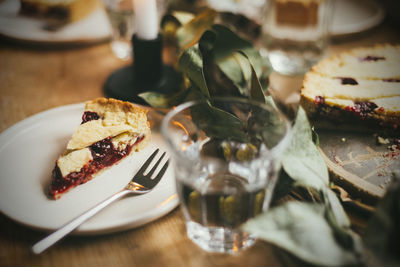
<point>355,161</point>
<point>360,164</point>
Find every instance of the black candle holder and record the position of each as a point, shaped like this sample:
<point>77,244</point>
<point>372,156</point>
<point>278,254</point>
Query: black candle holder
<point>147,73</point>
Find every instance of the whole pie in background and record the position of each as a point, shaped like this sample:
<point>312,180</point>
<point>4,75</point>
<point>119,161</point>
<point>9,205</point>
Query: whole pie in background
<point>356,90</point>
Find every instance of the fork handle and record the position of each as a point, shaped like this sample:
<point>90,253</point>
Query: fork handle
<point>51,239</point>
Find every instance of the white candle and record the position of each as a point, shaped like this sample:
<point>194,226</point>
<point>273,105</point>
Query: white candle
<point>146,19</point>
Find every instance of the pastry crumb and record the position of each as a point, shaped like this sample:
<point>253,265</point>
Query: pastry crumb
<point>382,141</point>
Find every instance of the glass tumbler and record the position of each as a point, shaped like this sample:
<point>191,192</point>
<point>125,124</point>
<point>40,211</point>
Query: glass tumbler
<point>121,16</point>
<point>226,156</point>
<point>295,33</point>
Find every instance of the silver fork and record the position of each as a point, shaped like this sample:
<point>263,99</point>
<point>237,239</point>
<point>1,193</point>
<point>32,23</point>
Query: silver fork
<point>139,185</point>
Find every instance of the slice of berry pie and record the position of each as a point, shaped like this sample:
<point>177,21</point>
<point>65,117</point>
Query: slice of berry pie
<point>110,131</point>
<point>358,89</point>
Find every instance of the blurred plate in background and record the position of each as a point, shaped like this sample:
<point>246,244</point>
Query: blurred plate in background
<point>94,28</point>
<point>354,16</point>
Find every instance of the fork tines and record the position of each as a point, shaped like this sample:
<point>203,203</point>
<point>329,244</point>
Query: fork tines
<point>146,179</point>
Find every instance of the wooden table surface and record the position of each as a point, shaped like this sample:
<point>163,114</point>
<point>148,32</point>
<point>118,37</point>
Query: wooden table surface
<point>34,79</point>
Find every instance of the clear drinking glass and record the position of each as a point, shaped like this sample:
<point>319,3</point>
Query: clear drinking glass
<point>295,33</point>
<point>226,158</point>
<point>121,17</point>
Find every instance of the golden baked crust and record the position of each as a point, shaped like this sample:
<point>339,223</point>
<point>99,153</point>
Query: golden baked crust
<point>103,104</point>
<point>144,142</point>
<point>116,117</point>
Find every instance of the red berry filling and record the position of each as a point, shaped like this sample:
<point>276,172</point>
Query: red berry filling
<point>319,100</point>
<point>104,155</point>
<point>89,116</point>
<point>348,80</point>
<point>372,58</point>
<point>391,80</point>
<point>362,108</point>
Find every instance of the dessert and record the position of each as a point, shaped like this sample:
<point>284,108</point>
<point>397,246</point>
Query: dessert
<point>357,90</point>
<point>297,12</point>
<point>59,10</point>
<point>110,131</point>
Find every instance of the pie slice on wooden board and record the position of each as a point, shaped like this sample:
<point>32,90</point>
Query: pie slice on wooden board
<point>357,90</point>
<point>110,131</point>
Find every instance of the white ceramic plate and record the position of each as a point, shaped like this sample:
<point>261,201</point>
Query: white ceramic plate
<point>28,151</point>
<point>354,16</point>
<point>94,28</point>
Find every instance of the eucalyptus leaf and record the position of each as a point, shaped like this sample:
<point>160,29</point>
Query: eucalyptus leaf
<point>218,83</point>
<point>229,50</point>
<point>304,164</point>
<point>340,224</point>
<point>332,201</point>
<point>302,229</point>
<point>218,123</point>
<point>301,160</point>
<point>158,100</point>
<point>189,34</point>
<point>225,65</point>
<point>342,235</point>
<point>256,91</point>
<point>238,69</point>
<point>228,42</point>
<point>191,64</point>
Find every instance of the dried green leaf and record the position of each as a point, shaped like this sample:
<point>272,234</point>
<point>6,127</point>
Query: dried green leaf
<point>190,33</point>
<point>334,205</point>
<point>191,64</point>
<point>159,100</point>
<point>225,66</point>
<point>218,123</point>
<point>236,57</point>
<point>218,83</point>
<point>256,91</point>
<point>302,161</point>
<point>303,230</point>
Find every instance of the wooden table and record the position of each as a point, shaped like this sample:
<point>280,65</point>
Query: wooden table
<point>36,79</point>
